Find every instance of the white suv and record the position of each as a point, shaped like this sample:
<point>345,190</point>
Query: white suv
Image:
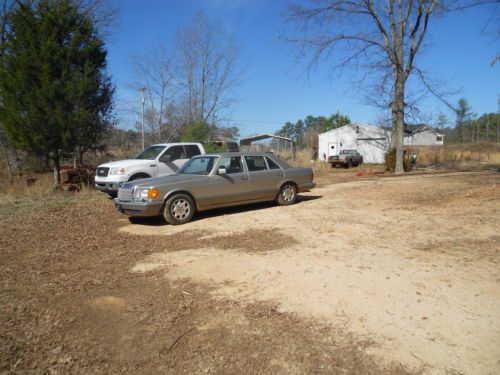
<point>156,160</point>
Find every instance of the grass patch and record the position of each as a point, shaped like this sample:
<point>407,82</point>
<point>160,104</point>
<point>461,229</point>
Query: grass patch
<point>36,192</point>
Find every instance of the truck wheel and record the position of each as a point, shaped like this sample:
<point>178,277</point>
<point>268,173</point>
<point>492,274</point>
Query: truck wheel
<point>179,209</point>
<point>139,176</point>
<point>287,194</point>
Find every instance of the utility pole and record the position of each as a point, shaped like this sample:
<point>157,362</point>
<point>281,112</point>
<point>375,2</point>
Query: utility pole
<point>498,133</point>
<point>487,127</point>
<point>142,89</point>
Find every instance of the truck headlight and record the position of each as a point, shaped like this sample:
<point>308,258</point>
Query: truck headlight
<point>117,171</point>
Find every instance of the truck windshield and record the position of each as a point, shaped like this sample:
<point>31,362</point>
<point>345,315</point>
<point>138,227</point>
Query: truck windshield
<point>150,153</point>
<point>201,165</point>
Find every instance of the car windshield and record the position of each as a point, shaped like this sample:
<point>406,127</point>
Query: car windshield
<point>201,165</point>
<point>151,153</point>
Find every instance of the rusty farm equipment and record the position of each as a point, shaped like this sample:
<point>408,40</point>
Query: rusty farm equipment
<point>74,179</point>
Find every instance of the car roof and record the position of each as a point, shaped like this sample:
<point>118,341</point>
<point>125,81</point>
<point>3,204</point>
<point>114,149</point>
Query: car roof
<point>175,144</point>
<point>239,153</point>
<point>282,163</point>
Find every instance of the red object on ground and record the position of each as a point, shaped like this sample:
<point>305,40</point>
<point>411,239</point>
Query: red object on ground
<point>368,173</point>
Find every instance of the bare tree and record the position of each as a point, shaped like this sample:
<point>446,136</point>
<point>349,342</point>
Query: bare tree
<point>206,69</point>
<point>154,73</point>
<point>381,37</point>
<point>104,13</point>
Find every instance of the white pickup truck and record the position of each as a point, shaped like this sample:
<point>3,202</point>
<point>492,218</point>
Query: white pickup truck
<point>156,160</point>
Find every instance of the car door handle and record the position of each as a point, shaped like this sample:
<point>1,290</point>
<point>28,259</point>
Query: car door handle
<point>279,174</point>
<point>244,177</point>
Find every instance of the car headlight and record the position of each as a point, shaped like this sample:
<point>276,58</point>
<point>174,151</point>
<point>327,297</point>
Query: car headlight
<point>117,171</point>
<point>145,193</point>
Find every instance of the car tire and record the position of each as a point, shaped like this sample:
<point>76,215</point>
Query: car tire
<point>287,194</point>
<point>113,194</point>
<point>179,209</point>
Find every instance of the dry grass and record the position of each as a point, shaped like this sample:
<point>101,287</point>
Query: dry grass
<point>303,159</point>
<point>468,156</point>
<point>466,153</point>
<point>36,191</point>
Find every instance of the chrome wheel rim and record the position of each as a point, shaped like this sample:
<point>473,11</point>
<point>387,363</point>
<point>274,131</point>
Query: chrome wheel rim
<point>180,209</point>
<point>288,193</point>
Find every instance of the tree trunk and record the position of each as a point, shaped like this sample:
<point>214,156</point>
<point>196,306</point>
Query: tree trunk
<point>10,154</point>
<point>397,140</point>
<point>7,162</point>
<point>57,170</point>
<point>81,153</point>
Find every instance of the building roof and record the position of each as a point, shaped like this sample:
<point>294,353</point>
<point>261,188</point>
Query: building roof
<point>412,129</point>
<point>416,128</point>
<point>352,124</point>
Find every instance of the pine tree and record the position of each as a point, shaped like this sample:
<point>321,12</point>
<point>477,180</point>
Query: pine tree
<point>55,94</point>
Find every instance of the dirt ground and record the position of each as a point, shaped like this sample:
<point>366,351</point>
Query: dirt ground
<point>371,275</point>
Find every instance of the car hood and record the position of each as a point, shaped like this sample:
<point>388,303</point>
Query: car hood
<point>125,163</point>
<point>166,180</point>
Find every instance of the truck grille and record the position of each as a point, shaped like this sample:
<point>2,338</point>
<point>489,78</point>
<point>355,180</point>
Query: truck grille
<point>102,171</point>
<point>125,195</point>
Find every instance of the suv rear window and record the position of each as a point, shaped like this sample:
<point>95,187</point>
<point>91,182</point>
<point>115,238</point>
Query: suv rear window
<point>175,152</point>
<point>192,150</point>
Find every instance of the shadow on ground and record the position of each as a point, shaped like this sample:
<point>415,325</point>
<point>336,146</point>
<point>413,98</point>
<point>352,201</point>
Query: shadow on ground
<point>158,220</point>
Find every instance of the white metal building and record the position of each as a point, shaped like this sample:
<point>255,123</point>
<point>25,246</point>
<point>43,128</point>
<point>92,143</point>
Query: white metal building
<point>370,141</point>
<point>422,135</point>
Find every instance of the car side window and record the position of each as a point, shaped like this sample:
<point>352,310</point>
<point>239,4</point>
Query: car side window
<point>232,164</point>
<point>272,164</point>
<point>175,152</point>
<point>255,163</point>
<point>192,150</point>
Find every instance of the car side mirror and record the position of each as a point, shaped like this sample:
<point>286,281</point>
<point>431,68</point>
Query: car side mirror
<point>165,158</point>
<point>222,171</point>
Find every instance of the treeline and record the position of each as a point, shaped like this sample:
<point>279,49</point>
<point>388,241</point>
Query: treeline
<point>57,99</point>
<point>126,143</point>
<point>304,132</point>
<point>469,127</point>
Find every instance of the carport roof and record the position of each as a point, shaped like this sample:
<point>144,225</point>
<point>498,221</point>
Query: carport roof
<point>248,140</point>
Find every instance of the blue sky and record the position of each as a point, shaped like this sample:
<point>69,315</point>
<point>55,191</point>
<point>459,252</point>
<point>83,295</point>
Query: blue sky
<point>274,88</point>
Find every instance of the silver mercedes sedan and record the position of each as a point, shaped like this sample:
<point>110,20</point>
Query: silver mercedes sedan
<point>211,181</point>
